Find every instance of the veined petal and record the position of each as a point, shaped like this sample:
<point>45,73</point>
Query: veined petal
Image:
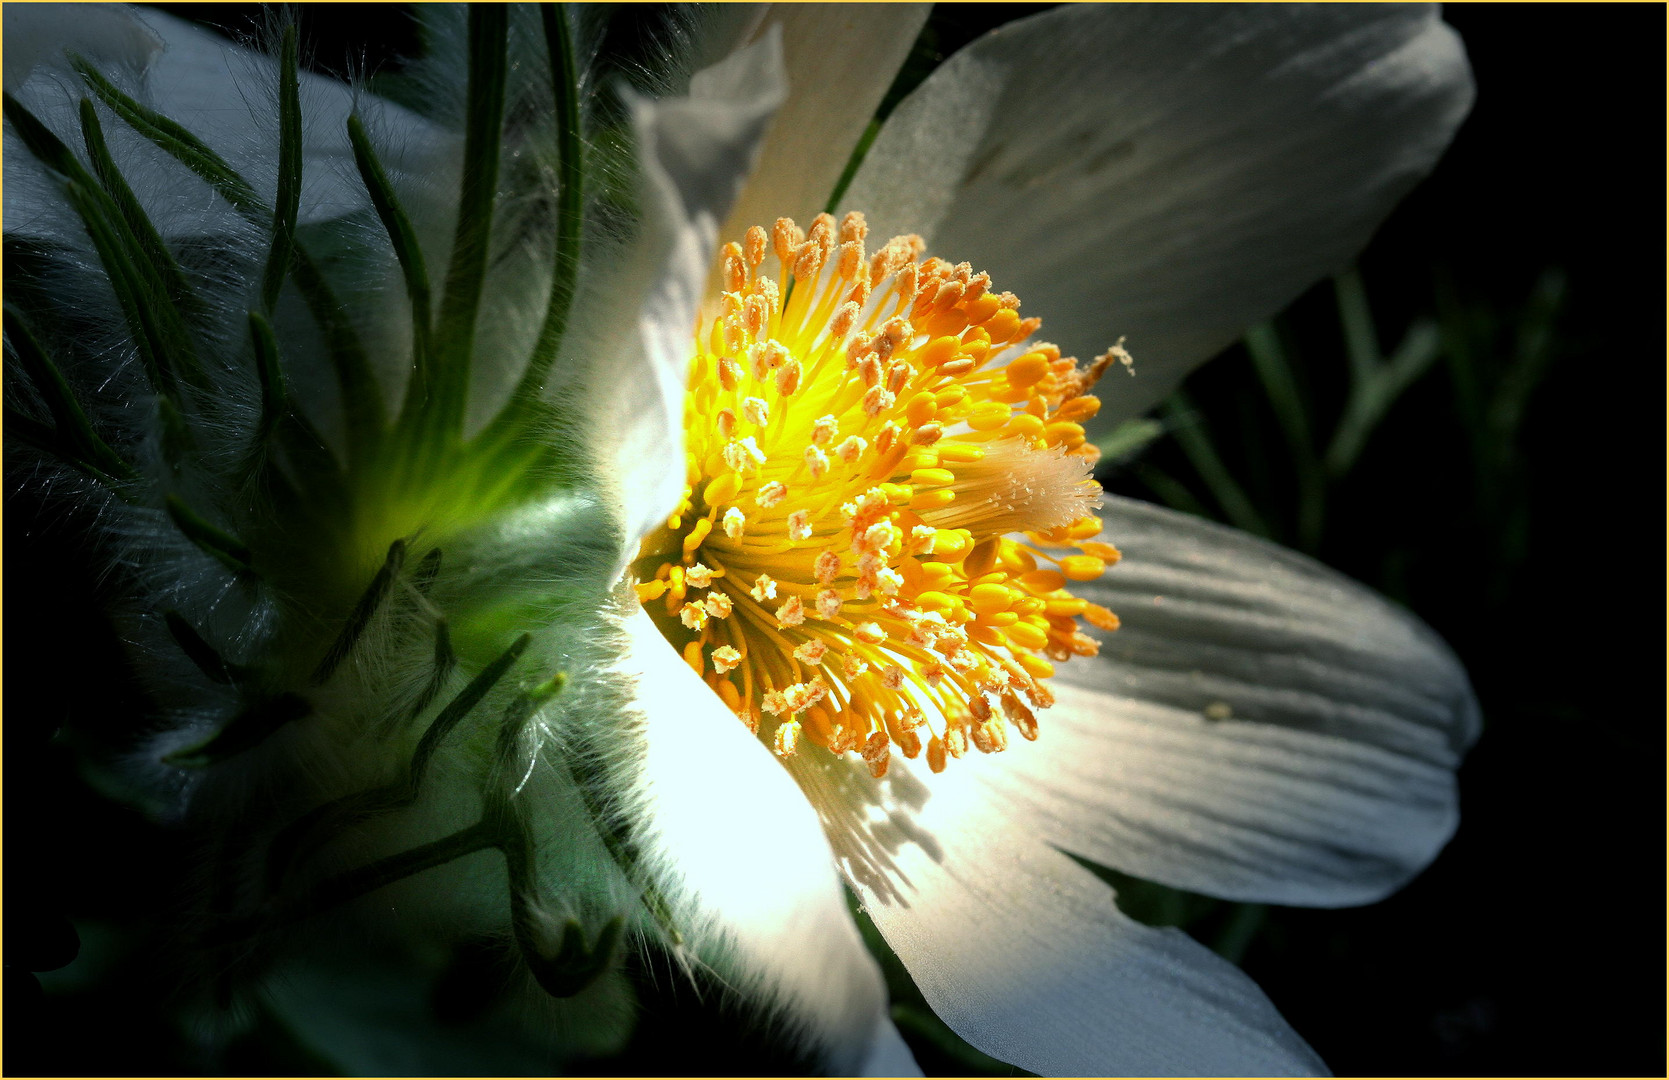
<point>694,152</point>
<point>1168,173</point>
<point>1022,951</point>
<point>1259,727</point>
<point>840,59</point>
<point>756,893</point>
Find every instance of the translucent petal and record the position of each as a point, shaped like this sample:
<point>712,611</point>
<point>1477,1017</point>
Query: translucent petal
<point>1170,173</point>
<point>755,891</point>
<point>1021,950</point>
<point>694,152</point>
<point>840,59</point>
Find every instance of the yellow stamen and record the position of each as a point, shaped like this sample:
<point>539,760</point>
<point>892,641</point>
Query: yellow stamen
<point>877,468</point>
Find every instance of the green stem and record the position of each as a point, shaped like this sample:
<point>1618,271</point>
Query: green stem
<point>1269,359</point>
<point>1196,443</point>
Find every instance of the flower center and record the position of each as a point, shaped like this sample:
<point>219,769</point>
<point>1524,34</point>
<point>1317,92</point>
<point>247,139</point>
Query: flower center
<point>888,491</point>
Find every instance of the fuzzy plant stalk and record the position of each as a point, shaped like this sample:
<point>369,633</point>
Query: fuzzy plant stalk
<point>323,414</point>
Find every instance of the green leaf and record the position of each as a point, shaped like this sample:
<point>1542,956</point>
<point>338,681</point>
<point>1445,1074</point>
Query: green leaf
<point>231,552</point>
<point>200,652</point>
<point>1129,439</point>
<point>244,731</point>
<point>161,261</point>
<point>176,141</point>
<point>273,392</point>
<point>461,299</point>
<point>74,437</point>
<point>288,204</point>
<point>460,707</point>
<point>102,220</point>
<point>523,404</point>
<point>1190,431</point>
<point>360,617</point>
<point>406,249</point>
<point>362,398</point>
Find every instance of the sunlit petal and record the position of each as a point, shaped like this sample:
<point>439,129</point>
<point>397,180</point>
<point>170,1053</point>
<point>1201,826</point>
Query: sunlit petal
<point>1146,171</point>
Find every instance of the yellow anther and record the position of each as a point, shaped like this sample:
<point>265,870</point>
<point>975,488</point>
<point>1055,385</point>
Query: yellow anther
<point>1003,326</point>
<point>1027,635</point>
<point>1043,581</point>
<point>722,489</point>
<point>1027,370</point>
<point>1064,433</point>
<point>989,416</point>
<point>698,533</point>
<point>981,559</point>
<point>753,245</point>
<point>1025,425</point>
<point>989,599</point>
<point>949,397</point>
<point>1107,553</point>
<point>1079,408</point>
<point>785,237</point>
<point>890,438</point>
<point>982,308</point>
<point>1099,617</point>
<point>941,350</point>
<point>1014,558</point>
<point>922,408</point>
<point>959,453</point>
<point>1082,567</point>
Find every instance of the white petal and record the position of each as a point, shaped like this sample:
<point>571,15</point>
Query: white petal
<point>888,1054</point>
<point>840,59</point>
<point>1170,173</point>
<point>1022,951</point>
<point>227,96</point>
<point>759,898</point>
<point>694,152</point>
<point>40,34</point>
<point>1330,780</point>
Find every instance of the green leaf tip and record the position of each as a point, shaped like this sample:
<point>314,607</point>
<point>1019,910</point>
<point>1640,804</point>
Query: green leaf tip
<point>360,617</point>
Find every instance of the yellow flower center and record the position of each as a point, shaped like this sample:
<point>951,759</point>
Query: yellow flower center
<point>888,491</point>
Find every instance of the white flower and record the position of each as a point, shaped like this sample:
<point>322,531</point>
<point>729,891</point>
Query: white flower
<point>1173,176</point>
<point>1166,174</point>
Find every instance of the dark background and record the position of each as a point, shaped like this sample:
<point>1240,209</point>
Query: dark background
<point>1527,531</point>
